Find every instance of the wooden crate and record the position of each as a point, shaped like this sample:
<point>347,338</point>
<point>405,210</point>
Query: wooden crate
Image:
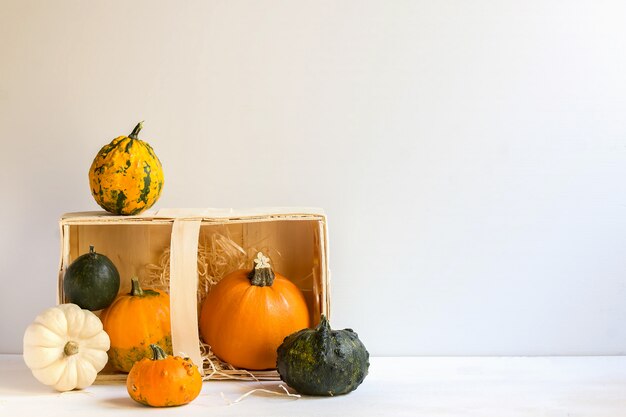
<point>297,240</point>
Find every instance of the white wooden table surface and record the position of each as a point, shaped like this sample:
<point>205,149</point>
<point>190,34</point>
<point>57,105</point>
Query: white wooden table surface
<point>555,387</point>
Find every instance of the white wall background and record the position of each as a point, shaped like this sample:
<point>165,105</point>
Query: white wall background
<point>471,155</point>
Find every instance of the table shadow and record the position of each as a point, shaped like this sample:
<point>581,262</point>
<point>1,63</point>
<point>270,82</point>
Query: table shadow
<point>121,402</point>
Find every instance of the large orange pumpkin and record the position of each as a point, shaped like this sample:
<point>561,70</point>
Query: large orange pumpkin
<point>164,381</point>
<point>135,321</point>
<point>247,314</point>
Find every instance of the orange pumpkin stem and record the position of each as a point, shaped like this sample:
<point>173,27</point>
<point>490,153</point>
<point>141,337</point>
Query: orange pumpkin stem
<point>137,291</point>
<point>134,134</point>
<point>262,274</point>
<point>157,353</point>
<point>136,288</point>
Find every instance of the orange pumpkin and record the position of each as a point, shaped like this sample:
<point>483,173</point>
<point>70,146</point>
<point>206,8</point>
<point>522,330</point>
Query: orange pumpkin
<point>164,381</point>
<point>133,322</point>
<point>247,314</point>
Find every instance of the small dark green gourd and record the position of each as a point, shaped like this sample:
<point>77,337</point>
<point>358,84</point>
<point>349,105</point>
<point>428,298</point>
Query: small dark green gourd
<point>92,281</point>
<point>323,361</point>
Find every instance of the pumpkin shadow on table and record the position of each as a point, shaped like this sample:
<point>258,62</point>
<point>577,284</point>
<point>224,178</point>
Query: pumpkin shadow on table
<point>121,402</point>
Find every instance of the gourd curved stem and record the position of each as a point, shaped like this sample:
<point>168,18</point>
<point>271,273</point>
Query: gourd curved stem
<point>157,352</point>
<point>136,130</point>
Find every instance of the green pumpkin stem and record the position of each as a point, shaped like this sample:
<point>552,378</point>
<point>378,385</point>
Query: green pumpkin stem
<point>324,325</point>
<point>137,291</point>
<point>136,288</point>
<point>262,274</point>
<point>136,130</point>
<point>157,352</point>
<point>92,250</point>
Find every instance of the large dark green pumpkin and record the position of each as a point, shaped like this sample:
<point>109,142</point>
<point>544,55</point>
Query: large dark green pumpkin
<point>323,361</point>
<point>91,281</point>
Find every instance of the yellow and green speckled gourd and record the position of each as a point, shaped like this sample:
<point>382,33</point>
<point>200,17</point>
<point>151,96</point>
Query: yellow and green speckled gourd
<point>126,176</point>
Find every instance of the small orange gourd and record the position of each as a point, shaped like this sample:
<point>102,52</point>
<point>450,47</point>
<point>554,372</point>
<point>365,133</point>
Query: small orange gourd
<point>133,322</point>
<point>247,314</point>
<point>164,381</point>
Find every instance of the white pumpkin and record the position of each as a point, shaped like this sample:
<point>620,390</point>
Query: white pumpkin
<point>66,347</point>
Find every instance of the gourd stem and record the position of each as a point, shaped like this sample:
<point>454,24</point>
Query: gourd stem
<point>262,274</point>
<point>71,348</point>
<point>92,250</point>
<point>136,288</point>
<point>157,352</point>
<point>136,130</point>
<point>324,325</point>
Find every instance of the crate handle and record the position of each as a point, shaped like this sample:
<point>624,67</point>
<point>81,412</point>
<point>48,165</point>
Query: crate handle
<point>184,289</point>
